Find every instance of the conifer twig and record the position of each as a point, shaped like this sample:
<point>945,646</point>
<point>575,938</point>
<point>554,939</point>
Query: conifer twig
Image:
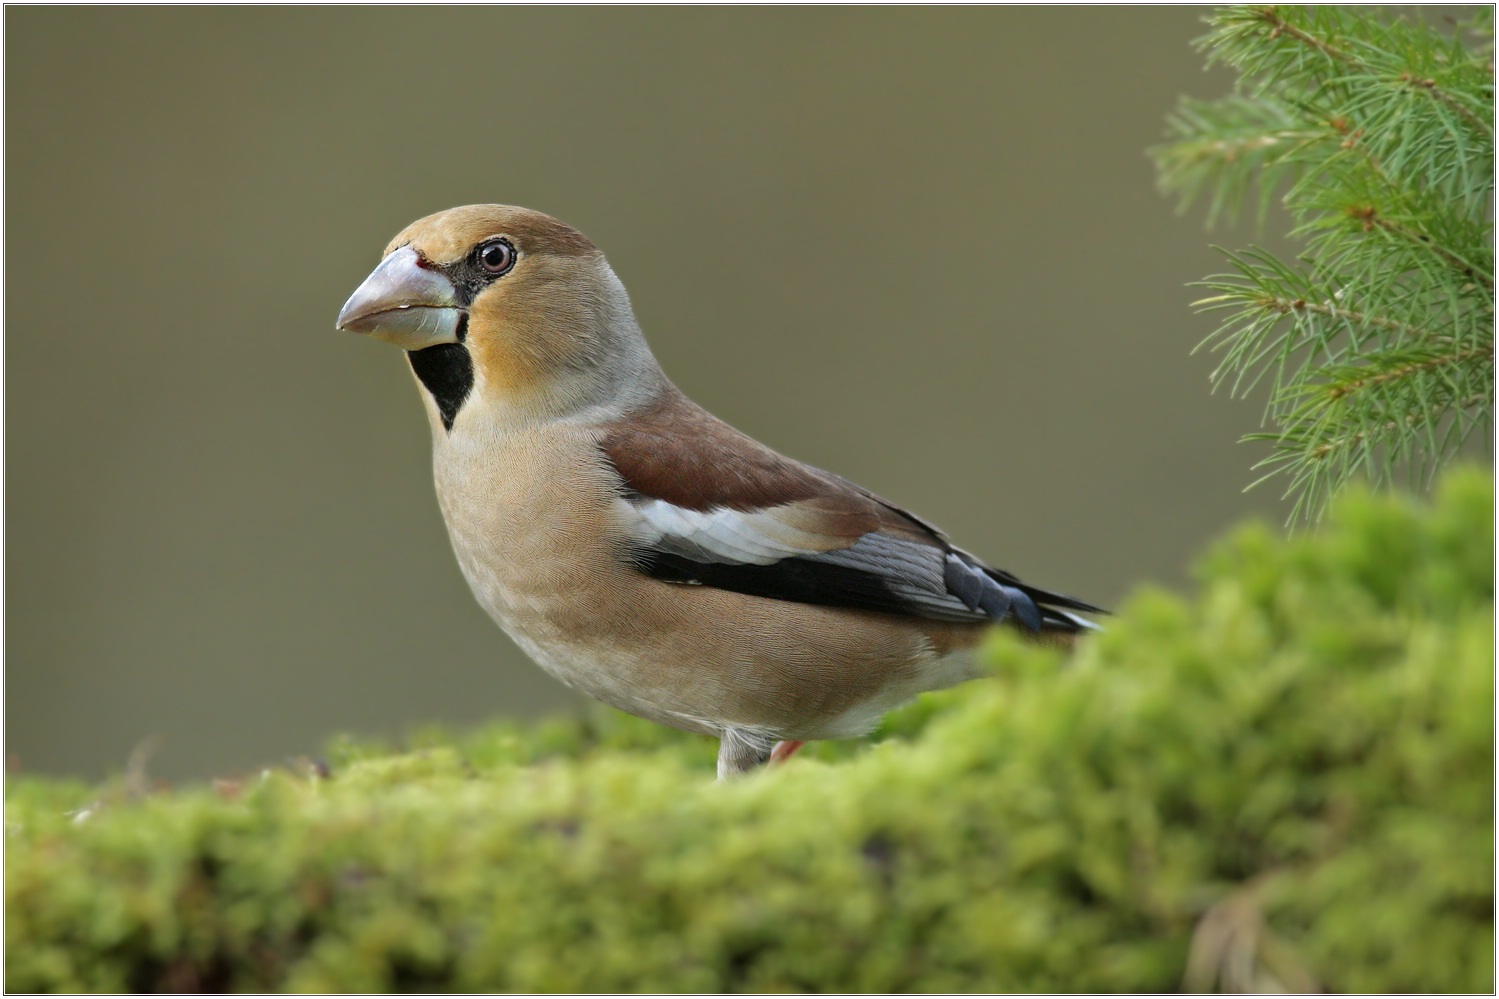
<point>1357,329</point>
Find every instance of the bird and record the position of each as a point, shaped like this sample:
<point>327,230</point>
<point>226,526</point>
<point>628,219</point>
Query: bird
<point>640,549</point>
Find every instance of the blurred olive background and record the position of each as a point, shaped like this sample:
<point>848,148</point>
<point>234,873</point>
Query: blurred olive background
<point>922,248</point>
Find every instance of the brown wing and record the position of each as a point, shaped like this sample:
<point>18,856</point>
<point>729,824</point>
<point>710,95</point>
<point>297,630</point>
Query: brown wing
<point>711,506</point>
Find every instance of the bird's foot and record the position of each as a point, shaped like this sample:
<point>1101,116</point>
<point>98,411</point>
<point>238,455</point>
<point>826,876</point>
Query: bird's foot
<point>785,749</point>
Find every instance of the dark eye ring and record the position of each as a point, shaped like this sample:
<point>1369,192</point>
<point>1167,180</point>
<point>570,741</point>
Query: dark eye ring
<point>496,256</point>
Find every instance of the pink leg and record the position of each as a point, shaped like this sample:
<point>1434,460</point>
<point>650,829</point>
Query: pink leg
<point>785,749</point>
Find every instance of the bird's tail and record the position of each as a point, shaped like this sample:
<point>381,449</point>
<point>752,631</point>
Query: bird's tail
<point>1056,609</point>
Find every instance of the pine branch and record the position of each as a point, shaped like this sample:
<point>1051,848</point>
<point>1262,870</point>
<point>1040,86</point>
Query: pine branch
<point>1378,342</point>
<point>1279,26</point>
<point>1405,371</point>
<point>1371,219</point>
<point>1430,86</point>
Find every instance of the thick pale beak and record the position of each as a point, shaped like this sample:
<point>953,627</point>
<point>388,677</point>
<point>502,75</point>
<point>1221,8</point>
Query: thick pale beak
<point>404,303</point>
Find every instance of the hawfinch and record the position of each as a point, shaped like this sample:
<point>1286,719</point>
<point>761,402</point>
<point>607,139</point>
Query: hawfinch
<point>637,547</point>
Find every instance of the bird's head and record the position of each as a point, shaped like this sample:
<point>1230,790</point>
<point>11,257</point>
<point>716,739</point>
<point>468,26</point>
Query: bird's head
<point>507,306</point>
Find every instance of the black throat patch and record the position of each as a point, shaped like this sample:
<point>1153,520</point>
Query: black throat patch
<point>447,371</point>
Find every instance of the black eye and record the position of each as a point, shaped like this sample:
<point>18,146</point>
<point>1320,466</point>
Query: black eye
<point>496,256</point>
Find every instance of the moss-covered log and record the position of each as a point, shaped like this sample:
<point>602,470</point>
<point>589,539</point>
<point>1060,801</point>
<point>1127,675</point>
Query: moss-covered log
<point>1286,781</point>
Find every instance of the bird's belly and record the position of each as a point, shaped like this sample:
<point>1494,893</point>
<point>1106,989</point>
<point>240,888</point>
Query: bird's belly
<point>627,665</point>
<point>546,561</point>
<point>542,557</point>
<point>705,660</point>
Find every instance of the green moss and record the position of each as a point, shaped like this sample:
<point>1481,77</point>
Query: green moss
<point>1287,781</point>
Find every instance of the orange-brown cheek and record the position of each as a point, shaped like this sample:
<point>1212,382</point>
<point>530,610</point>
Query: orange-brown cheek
<point>507,348</point>
<point>534,326</point>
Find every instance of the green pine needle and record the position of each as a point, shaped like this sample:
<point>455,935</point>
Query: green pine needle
<point>1375,134</point>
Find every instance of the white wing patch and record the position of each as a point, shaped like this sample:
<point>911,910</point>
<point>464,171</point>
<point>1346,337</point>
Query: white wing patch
<point>722,535</point>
